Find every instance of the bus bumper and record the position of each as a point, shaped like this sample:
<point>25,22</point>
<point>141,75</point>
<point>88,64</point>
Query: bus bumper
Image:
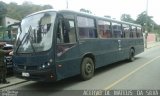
<point>40,75</point>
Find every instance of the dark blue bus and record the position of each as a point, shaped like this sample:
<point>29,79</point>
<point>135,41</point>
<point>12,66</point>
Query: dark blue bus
<point>53,45</point>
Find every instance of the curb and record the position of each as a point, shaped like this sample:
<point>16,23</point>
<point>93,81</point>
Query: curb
<point>8,85</point>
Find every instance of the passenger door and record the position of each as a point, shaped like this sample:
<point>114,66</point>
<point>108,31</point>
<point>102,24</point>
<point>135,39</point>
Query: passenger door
<point>67,50</point>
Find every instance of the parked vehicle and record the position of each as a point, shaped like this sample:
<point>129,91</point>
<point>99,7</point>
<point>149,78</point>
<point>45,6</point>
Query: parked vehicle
<point>53,45</point>
<point>7,57</point>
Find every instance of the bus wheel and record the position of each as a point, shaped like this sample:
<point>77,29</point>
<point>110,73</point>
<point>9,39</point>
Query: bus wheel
<point>87,68</point>
<point>131,55</point>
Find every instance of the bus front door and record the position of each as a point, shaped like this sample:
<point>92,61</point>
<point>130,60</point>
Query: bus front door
<point>67,55</point>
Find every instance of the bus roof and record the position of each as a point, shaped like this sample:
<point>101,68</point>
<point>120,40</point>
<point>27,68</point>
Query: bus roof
<point>47,10</point>
<point>84,14</point>
<point>94,16</point>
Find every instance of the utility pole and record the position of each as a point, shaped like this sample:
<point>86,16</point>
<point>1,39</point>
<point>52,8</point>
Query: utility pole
<point>146,26</point>
<point>66,4</point>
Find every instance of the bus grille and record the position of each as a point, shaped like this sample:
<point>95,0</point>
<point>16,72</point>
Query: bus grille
<point>22,67</point>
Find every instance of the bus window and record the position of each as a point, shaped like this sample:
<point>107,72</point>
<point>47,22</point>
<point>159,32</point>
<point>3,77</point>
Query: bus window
<point>117,30</point>
<point>104,29</point>
<point>86,27</point>
<point>60,32</point>
<point>66,36</point>
<point>134,32</point>
<point>126,29</point>
<point>72,35</point>
<point>139,32</point>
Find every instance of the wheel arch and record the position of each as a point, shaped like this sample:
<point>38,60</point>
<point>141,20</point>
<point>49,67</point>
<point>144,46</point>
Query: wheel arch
<point>90,55</point>
<point>132,48</point>
<point>131,54</point>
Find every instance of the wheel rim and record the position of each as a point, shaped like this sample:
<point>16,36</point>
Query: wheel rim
<point>88,68</point>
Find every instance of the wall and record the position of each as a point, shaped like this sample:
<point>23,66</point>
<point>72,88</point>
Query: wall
<point>151,38</point>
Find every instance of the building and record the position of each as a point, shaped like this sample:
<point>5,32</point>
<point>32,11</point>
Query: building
<point>8,33</point>
<point>6,21</point>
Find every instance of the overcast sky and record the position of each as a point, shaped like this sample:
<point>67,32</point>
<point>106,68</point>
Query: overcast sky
<point>113,8</point>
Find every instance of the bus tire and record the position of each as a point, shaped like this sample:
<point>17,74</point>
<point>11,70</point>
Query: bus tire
<point>87,68</point>
<point>131,55</point>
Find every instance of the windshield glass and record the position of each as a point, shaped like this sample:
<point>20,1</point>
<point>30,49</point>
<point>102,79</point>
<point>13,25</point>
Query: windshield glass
<point>36,33</point>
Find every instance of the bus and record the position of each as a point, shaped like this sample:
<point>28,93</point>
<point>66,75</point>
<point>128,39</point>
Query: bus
<point>52,45</point>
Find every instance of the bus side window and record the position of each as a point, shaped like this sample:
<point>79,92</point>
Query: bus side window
<point>72,35</point>
<point>139,32</point>
<point>86,27</point>
<point>66,36</point>
<point>134,32</point>
<point>104,29</point>
<point>117,30</point>
<point>126,30</point>
<point>66,33</point>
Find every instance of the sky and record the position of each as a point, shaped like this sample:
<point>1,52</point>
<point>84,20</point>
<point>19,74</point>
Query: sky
<point>113,8</point>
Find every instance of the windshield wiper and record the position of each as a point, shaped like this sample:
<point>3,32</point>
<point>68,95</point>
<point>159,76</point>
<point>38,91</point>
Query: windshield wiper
<point>32,45</point>
<point>27,35</point>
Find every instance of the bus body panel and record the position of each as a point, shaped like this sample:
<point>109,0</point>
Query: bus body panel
<point>107,51</point>
<point>68,64</point>
<point>102,49</point>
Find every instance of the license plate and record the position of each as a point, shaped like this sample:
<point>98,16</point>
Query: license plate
<point>25,74</point>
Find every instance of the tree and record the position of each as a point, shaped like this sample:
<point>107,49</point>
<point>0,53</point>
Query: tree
<point>3,11</point>
<point>13,10</point>
<point>3,8</point>
<point>20,11</point>
<point>146,21</point>
<point>127,18</point>
<point>47,7</point>
<point>85,10</point>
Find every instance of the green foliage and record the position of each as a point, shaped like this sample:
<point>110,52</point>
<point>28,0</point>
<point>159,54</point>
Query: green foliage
<point>141,19</point>
<point>85,10</point>
<point>20,11</point>
<point>127,18</point>
<point>146,21</point>
<point>3,9</point>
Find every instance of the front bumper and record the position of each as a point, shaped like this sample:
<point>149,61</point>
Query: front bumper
<point>37,75</point>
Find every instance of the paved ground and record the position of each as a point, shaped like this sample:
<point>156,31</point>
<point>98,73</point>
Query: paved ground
<point>14,81</point>
<point>152,44</point>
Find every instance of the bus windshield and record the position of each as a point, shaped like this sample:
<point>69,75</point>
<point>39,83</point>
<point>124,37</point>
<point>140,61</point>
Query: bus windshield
<point>35,33</point>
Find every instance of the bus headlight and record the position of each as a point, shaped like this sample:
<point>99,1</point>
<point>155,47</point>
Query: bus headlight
<point>51,60</point>
<point>45,65</point>
<point>48,64</point>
